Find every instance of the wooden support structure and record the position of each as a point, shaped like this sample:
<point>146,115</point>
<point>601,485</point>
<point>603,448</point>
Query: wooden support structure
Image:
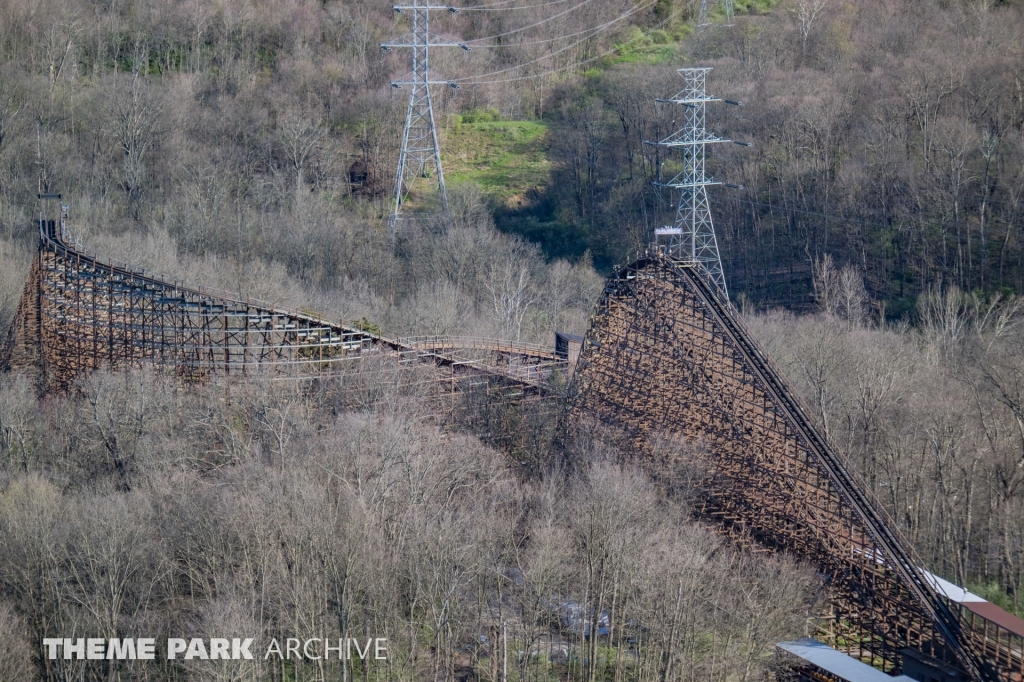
<point>79,313</point>
<point>665,358</point>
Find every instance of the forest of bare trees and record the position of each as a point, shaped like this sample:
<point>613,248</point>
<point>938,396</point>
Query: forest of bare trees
<point>142,508</point>
<point>887,134</point>
<point>930,416</point>
<point>221,144</point>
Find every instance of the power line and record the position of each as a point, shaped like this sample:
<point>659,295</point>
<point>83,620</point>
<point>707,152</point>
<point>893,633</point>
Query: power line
<point>492,5</point>
<point>420,148</point>
<point>1003,202</point>
<point>472,80</point>
<point>585,61</point>
<point>485,8</point>
<point>691,237</point>
<point>537,42</point>
<point>542,21</point>
<point>597,30</point>
<point>702,19</point>
<point>788,209</point>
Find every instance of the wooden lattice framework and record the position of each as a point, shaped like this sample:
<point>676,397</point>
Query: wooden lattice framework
<point>79,313</point>
<point>664,357</point>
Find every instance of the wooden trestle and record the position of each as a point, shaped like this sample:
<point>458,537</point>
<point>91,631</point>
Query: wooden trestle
<point>664,357</point>
<point>79,313</point>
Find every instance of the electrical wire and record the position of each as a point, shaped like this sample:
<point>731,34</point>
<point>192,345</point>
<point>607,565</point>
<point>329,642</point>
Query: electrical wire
<point>786,209</point>
<point>523,28</point>
<point>486,8</point>
<point>575,64</point>
<point>491,5</point>
<point>990,200</point>
<point>536,42</point>
<point>470,80</point>
<point>830,216</point>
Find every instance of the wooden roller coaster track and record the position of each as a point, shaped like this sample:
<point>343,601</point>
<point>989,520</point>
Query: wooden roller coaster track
<point>666,358</point>
<point>79,313</point>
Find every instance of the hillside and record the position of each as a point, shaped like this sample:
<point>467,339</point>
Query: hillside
<point>876,251</point>
<point>887,136</point>
<point>509,160</point>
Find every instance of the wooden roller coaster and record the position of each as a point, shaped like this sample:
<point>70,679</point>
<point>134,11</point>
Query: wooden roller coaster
<point>664,357</point>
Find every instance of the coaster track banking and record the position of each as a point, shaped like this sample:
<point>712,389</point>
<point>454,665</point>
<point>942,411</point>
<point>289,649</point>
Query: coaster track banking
<point>79,313</point>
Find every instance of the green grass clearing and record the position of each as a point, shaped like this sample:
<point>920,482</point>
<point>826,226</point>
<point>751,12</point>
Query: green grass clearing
<point>507,159</point>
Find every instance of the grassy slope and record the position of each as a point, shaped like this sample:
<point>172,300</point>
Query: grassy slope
<point>506,158</point>
<point>509,159</point>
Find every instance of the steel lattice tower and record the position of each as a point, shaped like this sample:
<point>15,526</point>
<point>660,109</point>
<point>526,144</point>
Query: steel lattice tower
<point>420,155</point>
<point>692,237</point>
<point>702,19</point>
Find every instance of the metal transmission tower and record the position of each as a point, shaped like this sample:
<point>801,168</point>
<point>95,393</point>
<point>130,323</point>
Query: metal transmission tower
<point>702,18</point>
<point>420,154</point>
<point>692,237</point>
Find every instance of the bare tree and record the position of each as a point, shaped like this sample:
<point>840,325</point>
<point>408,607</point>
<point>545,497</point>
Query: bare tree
<point>119,411</point>
<point>15,651</point>
<point>32,516</point>
<point>134,112</point>
<point>853,297</point>
<point>300,140</point>
<point>17,409</point>
<point>806,12</point>
<point>826,284</point>
<point>840,292</point>
<point>12,105</point>
<point>60,49</point>
<point>609,512</point>
<point>509,283</point>
<point>111,564</point>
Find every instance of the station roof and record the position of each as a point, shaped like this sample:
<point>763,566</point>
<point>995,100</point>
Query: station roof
<point>954,593</point>
<point>1003,619</point>
<point>978,605</point>
<point>836,662</point>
